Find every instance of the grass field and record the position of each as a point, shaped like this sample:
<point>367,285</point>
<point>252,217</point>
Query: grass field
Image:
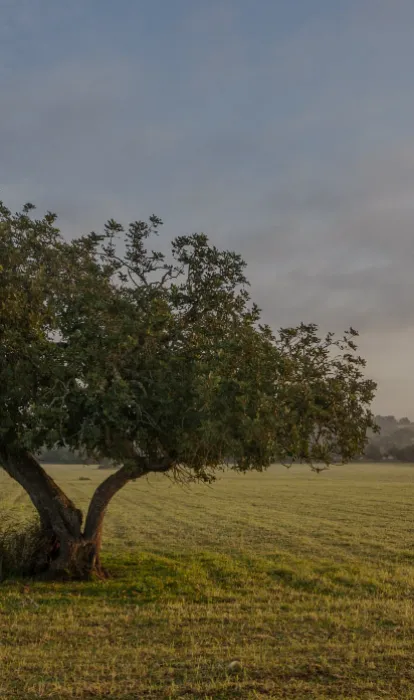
<point>307,579</point>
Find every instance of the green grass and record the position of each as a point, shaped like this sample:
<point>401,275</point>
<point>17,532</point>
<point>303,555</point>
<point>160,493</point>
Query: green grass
<point>307,579</point>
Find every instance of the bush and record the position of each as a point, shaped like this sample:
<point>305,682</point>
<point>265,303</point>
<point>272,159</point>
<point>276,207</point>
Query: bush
<point>22,548</point>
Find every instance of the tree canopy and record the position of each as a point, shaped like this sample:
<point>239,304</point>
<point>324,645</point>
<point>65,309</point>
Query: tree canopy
<point>159,363</point>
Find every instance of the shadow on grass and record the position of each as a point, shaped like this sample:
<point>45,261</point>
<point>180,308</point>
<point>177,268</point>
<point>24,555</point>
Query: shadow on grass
<point>319,578</point>
<point>199,577</point>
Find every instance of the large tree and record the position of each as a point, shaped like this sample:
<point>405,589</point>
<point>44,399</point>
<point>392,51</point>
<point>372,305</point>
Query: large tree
<point>160,364</point>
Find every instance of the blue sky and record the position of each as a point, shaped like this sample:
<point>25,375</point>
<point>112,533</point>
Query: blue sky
<point>283,129</point>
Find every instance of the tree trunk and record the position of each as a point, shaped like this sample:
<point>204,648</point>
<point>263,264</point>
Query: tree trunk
<point>99,504</point>
<point>77,559</point>
<point>65,550</point>
<point>54,507</point>
<point>62,549</point>
<point>107,490</point>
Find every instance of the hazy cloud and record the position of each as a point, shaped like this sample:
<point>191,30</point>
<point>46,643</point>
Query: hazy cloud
<point>284,130</point>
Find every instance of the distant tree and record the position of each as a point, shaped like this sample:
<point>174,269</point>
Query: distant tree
<point>387,423</point>
<point>373,452</point>
<point>404,421</point>
<point>402,454</point>
<point>160,366</point>
<point>61,455</point>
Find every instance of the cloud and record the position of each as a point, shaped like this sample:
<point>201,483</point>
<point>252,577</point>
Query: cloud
<point>283,131</point>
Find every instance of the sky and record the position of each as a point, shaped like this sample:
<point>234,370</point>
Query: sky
<point>283,130</point>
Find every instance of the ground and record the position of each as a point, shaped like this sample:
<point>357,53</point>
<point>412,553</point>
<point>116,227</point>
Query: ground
<point>307,580</point>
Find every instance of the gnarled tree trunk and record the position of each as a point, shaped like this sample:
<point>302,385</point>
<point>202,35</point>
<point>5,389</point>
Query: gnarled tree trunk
<point>99,504</point>
<point>68,550</point>
<point>61,521</point>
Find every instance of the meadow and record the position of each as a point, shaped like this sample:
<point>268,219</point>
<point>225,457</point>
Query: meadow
<point>307,580</point>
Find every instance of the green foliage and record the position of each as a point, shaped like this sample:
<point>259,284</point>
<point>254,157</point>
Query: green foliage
<point>157,362</point>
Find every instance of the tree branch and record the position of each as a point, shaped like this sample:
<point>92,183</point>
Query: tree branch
<point>110,487</point>
<point>52,504</point>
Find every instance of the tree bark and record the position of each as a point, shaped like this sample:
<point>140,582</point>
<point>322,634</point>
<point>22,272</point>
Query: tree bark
<point>101,499</point>
<point>54,507</point>
<point>61,521</point>
<point>108,489</point>
<point>98,507</point>
<point>69,551</point>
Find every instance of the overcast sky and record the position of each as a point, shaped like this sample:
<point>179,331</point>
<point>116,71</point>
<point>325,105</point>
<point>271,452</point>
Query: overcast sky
<point>283,129</point>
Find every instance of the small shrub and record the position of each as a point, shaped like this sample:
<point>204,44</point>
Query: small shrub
<point>22,548</point>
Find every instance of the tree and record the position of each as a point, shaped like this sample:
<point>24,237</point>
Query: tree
<point>402,454</point>
<point>373,452</point>
<point>158,365</point>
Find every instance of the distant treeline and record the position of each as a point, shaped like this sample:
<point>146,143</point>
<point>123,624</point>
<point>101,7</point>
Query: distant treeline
<point>61,455</point>
<point>394,442</point>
